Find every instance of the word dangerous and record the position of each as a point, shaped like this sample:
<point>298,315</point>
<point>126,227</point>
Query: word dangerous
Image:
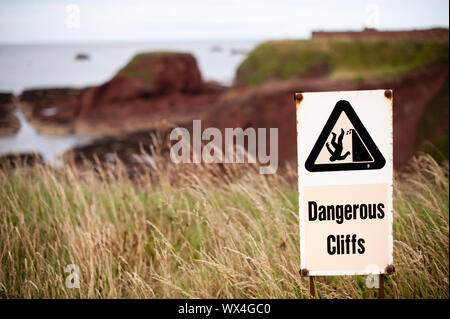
<point>339,213</point>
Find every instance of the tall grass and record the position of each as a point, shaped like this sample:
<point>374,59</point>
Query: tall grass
<point>198,232</point>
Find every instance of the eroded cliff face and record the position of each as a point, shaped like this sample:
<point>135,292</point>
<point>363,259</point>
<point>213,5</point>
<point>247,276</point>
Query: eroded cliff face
<point>271,105</point>
<point>152,90</point>
<point>156,92</point>
<point>146,77</point>
<point>412,96</point>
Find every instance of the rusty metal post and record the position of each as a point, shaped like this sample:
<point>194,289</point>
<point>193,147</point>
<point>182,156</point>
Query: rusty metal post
<point>381,287</point>
<point>312,289</point>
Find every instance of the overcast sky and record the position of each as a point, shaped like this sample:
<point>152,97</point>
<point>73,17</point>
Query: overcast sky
<point>135,20</point>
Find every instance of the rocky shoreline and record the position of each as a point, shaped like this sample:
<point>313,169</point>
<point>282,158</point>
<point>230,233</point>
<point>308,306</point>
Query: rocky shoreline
<point>160,90</point>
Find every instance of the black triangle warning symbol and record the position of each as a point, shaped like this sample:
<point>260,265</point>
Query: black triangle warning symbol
<point>344,144</point>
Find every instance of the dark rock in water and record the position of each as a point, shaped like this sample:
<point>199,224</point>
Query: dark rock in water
<point>216,48</point>
<point>136,151</point>
<point>82,56</point>
<point>9,123</point>
<point>123,147</point>
<point>51,111</point>
<point>20,159</point>
<point>238,51</point>
<point>5,99</point>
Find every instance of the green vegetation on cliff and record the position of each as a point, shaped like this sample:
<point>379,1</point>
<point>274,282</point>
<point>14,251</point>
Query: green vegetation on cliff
<point>135,70</point>
<point>295,59</point>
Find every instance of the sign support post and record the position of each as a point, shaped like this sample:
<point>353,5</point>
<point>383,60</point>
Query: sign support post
<point>312,283</point>
<point>381,287</point>
<point>312,290</point>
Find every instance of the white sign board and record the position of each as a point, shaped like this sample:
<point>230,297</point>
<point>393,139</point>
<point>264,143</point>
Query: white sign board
<point>344,142</point>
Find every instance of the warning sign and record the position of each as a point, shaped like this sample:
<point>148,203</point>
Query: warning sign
<point>345,181</point>
<point>344,144</point>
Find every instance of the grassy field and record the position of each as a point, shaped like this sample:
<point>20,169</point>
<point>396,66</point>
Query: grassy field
<point>197,232</point>
<point>354,60</point>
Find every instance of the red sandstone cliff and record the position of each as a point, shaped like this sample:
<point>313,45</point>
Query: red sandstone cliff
<point>157,92</point>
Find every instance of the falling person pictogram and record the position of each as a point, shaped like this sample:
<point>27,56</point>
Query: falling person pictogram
<point>357,152</point>
<point>336,155</point>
